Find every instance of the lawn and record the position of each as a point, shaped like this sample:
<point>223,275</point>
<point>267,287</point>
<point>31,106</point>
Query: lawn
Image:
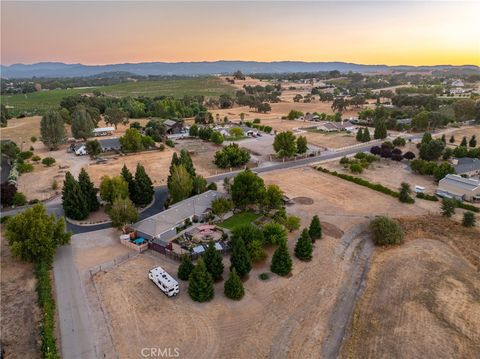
<point>38,102</point>
<point>238,220</point>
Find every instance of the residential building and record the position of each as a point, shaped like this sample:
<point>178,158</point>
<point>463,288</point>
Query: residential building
<point>467,166</point>
<point>103,131</point>
<point>80,149</point>
<point>162,227</point>
<point>110,144</point>
<point>458,187</point>
<point>173,127</point>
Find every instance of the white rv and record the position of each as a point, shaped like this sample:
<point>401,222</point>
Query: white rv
<point>164,281</point>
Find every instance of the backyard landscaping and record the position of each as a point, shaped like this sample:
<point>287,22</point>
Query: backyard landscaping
<point>239,219</point>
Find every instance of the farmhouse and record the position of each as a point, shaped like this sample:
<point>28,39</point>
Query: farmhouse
<point>172,127</point>
<point>103,131</point>
<point>110,144</point>
<point>457,187</point>
<point>162,227</point>
<point>467,166</point>
<point>337,126</point>
<point>80,149</point>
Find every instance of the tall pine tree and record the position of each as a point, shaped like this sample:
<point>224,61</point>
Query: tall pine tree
<point>185,268</point>
<point>281,261</point>
<point>186,160</point>
<point>366,135</point>
<point>143,186</point>
<point>74,203</point>
<point>303,248</point>
<point>88,190</point>
<point>359,136</point>
<point>200,283</point>
<point>315,229</point>
<point>213,261</point>
<point>128,177</point>
<point>233,287</point>
<point>240,259</point>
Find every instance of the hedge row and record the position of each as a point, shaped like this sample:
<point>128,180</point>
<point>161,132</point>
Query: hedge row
<point>360,181</point>
<point>427,197</point>
<point>467,206</point>
<point>47,305</point>
<point>266,129</point>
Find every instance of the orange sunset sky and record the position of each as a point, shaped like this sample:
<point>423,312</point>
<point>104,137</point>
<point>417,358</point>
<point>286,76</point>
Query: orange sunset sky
<point>382,32</point>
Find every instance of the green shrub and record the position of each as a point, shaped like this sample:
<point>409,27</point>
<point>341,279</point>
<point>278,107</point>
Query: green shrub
<point>4,219</point>
<point>264,276</point>
<point>36,158</point>
<point>25,155</point>
<point>47,305</point>
<point>19,199</point>
<point>466,206</point>
<point>356,168</point>
<point>427,197</point>
<point>48,161</point>
<point>24,167</point>
<point>468,219</point>
<point>386,231</point>
<point>170,143</point>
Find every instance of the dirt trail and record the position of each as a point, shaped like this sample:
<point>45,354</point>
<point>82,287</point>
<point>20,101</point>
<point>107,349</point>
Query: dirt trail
<point>356,249</point>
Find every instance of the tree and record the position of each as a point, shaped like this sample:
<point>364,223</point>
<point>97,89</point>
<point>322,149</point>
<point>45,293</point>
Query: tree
<point>193,131</point>
<point>339,104</point>
<point>252,236</point>
<point>432,150</point>
<point>263,107</point>
<point>112,188</point>
<point>181,184</point>
<point>473,141</point>
<point>404,195</point>
<point>52,130</point>
<point>200,283</point>
<point>448,207</point>
<point>8,191</point>
<point>292,223</point>
<point>468,219</point>
<point>48,161</point>
<point>114,116</point>
<point>303,247</point>
<point>88,190</point>
<point>247,189</point>
<point>231,156</point>
<point>187,162</point>
<point>131,141</point>
<point>464,142</point>
<point>380,130</point>
<point>442,170</point>
<point>132,186</point>
<point>293,114</point>
<point>4,115</point>
<point>233,287</point>
<point>34,236</point>
<point>93,148</point>
<point>284,144</point>
<point>143,187</point>
<point>274,233</point>
<point>409,155</point>
<point>122,213</point>
<point>464,109</point>
<point>281,261</point>
<point>221,205</point>
<point>256,251</point>
<point>386,231</point>
<point>399,141</point>
<point>366,135</point>
<point>156,130</point>
<point>302,145</point>
<point>199,185</point>
<point>82,123</point>
<point>315,229</point>
<point>74,202</point>
<point>359,136</point>
<point>185,268</point>
<point>216,138</point>
<point>213,261</point>
<point>452,139</point>
<point>240,259</point>
<point>273,198</point>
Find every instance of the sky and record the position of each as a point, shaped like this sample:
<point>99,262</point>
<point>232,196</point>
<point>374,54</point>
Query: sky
<point>101,32</point>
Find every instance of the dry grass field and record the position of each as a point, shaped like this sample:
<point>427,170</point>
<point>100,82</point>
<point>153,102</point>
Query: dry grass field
<point>422,298</point>
<point>20,315</point>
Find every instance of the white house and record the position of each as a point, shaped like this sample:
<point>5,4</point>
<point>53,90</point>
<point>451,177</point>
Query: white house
<point>80,149</point>
<point>458,83</point>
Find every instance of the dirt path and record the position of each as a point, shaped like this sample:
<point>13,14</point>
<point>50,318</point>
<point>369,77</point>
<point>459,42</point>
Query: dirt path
<point>356,249</point>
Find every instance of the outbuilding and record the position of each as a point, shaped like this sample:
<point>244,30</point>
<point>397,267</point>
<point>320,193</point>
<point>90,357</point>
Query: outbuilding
<point>458,187</point>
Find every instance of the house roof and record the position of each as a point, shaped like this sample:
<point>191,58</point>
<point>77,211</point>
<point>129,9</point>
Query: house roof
<point>113,142</point>
<point>170,218</point>
<point>466,164</point>
<point>468,184</point>
<point>170,123</point>
<point>78,146</point>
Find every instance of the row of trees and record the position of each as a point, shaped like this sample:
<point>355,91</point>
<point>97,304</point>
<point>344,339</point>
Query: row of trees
<point>287,145</point>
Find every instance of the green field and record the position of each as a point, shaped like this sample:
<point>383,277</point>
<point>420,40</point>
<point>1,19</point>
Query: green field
<point>37,102</point>
<point>238,220</point>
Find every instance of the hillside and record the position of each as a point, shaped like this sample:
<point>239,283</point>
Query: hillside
<point>58,69</point>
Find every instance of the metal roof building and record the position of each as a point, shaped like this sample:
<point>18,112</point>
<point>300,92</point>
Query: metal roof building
<point>459,187</point>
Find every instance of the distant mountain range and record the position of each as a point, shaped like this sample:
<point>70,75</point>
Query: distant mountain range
<point>59,69</point>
